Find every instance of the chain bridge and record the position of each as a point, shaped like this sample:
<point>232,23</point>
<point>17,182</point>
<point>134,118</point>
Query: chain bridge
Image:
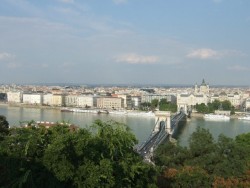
<point>165,127</point>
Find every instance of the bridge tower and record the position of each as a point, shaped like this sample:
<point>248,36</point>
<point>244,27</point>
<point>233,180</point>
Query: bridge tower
<point>163,116</point>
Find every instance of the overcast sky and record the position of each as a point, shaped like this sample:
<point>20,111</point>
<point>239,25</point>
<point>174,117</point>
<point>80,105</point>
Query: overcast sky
<point>125,41</point>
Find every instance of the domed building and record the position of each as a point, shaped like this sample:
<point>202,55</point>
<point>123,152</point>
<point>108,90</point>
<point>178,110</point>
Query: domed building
<point>189,100</point>
<point>204,88</point>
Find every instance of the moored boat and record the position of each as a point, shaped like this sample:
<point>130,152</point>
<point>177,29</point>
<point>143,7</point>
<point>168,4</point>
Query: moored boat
<point>245,118</point>
<point>216,117</point>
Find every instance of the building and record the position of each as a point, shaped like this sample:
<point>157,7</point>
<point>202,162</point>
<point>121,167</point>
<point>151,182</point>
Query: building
<point>58,100</point>
<point>150,97</point>
<point>185,101</point>
<point>203,89</point>
<point>234,98</point>
<point>47,99</point>
<point>3,97</point>
<point>247,104</point>
<point>126,98</point>
<point>14,96</point>
<point>110,102</point>
<point>86,101</point>
<point>71,100</point>
<point>136,101</point>
<point>32,98</point>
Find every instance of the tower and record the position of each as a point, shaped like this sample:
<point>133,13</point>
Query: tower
<point>204,88</point>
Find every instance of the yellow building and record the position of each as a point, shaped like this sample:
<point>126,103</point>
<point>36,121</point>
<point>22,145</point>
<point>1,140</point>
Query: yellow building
<point>57,100</point>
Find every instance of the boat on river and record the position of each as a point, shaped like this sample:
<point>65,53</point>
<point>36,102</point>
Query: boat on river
<point>141,114</point>
<point>245,118</point>
<point>216,117</point>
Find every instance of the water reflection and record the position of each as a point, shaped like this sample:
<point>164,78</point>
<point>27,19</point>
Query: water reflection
<point>140,126</point>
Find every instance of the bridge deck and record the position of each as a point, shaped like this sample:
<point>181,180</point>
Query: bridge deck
<point>156,138</point>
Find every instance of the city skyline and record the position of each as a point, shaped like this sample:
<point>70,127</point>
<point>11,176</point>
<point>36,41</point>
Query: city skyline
<point>125,42</point>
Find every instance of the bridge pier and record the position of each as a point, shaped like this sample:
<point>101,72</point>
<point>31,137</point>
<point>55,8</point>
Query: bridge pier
<point>162,116</point>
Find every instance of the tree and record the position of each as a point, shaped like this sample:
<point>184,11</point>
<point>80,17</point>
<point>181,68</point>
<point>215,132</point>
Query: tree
<point>201,108</point>
<point>216,104</point>
<point>145,106</point>
<point>154,104</point>
<point>103,157</point>
<point>4,126</point>
<point>171,155</point>
<point>243,141</point>
<point>167,106</point>
<point>201,142</point>
<point>226,105</point>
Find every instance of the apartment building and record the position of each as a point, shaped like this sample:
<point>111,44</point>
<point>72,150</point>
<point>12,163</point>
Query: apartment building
<point>71,100</point>
<point>110,102</point>
<point>14,96</point>
<point>235,98</point>
<point>58,100</point>
<point>127,100</point>
<point>32,98</point>
<point>86,101</point>
<point>150,97</point>
<point>136,101</point>
<point>47,99</point>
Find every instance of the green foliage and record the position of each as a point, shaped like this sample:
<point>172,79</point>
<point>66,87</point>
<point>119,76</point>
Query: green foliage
<point>60,157</point>
<point>243,141</point>
<point>154,103</point>
<point>167,106</point>
<point>4,126</point>
<point>201,142</point>
<point>205,160</point>
<point>215,105</point>
<point>164,155</point>
<point>145,106</point>
<point>226,105</point>
<point>194,177</point>
<point>202,108</point>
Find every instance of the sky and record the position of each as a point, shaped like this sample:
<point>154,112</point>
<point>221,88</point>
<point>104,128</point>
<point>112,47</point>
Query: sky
<point>125,41</point>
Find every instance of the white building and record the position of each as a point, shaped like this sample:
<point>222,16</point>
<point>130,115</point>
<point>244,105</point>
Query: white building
<point>247,104</point>
<point>203,89</point>
<point>32,98</point>
<point>235,99</point>
<point>150,97</point>
<point>186,101</point>
<point>71,100</point>
<point>47,99</point>
<point>14,96</point>
<point>85,101</point>
<point>136,101</point>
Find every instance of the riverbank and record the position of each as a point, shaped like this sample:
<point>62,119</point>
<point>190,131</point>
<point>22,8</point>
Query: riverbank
<point>235,116</point>
<point>83,110</point>
<point>30,106</point>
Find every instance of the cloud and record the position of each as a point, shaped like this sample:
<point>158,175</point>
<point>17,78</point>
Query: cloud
<point>206,53</point>
<point>136,59</point>
<point>238,68</point>
<point>120,1</point>
<point>5,56</point>
<point>203,53</point>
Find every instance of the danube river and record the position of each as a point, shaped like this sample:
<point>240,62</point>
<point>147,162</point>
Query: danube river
<point>140,126</point>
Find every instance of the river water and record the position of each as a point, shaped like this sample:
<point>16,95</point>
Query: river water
<point>140,126</point>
